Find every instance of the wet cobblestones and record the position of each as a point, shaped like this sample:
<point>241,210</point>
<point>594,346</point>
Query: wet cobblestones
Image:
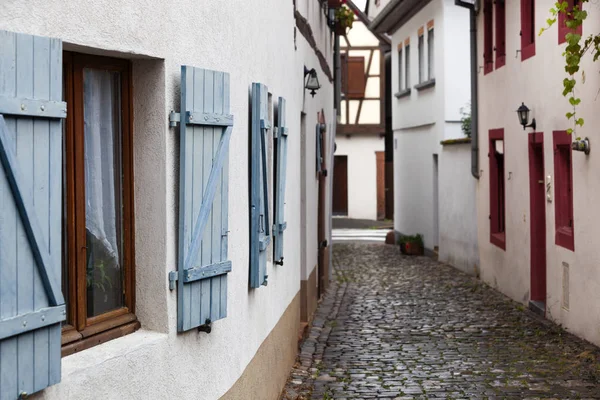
<point>395,327</point>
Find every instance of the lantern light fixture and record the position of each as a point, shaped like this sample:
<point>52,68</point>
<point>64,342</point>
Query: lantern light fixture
<point>523,113</point>
<point>311,81</point>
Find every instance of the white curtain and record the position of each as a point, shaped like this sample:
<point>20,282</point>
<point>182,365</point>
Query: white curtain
<point>102,162</point>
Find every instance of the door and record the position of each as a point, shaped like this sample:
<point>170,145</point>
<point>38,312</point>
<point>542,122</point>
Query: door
<point>436,203</point>
<point>380,159</point>
<point>340,185</point>
<point>323,244</point>
<point>537,200</point>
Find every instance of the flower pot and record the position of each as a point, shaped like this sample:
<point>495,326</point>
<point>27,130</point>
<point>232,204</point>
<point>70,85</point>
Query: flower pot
<point>335,3</point>
<point>411,249</point>
<point>340,29</point>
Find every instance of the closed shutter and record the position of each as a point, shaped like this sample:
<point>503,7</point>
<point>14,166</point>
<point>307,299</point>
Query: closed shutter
<point>31,302</point>
<point>319,155</point>
<point>356,80</point>
<point>281,143</point>
<point>205,132</point>
<point>260,235</point>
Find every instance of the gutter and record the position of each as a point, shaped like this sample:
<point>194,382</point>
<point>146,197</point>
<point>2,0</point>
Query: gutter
<point>473,11</point>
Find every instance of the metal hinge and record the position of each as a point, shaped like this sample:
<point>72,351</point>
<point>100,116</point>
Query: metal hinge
<point>174,119</point>
<point>173,277</point>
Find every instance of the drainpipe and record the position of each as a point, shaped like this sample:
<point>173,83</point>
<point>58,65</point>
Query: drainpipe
<point>473,10</point>
<point>337,76</point>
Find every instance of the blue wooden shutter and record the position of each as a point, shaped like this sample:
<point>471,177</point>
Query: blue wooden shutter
<point>319,155</point>
<point>260,235</point>
<point>31,302</point>
<point>281,142</point>
<point>205,132</point>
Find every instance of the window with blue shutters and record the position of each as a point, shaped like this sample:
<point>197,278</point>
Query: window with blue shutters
<point>31,302</point>
<point>260,229</point>
<point>281,143</point>
<point>205,132</point>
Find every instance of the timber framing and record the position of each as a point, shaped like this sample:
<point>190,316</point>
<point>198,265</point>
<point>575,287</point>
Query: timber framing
<point>304,27</point>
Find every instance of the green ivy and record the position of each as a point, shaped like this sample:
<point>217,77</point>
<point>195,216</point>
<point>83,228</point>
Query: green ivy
<point>574,51</point>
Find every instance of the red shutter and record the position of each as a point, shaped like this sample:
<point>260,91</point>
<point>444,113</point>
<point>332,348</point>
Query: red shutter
<point>500,33</point>
<point>562,22</point>
<point>497,194</point>
<point>488,37</point>
<point>356,78</point>
<point>563,191</point>
<point>527,29</point>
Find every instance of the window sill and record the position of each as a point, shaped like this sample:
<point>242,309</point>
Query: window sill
<point>499,239</point>
<point>402,93</point>
<point>425,85</point>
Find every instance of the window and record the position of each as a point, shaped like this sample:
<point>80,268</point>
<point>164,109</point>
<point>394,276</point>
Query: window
<point>497,195</point>
<point>400,69</point>
<point>356,79</point>
<point>563,29</point>
<point>98,261</point>
<point>527,29</point>
<point>344,77</point>
<point>500,33</point>
<point>430,54</point>
<point>421,50</point>
<point>406,65</point>
<point>563,190</point>
<point>488,37</point>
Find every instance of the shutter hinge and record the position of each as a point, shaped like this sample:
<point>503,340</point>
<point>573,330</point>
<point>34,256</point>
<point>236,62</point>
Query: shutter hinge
<point>275,129</point>
<point>173,277</point>
<point>174,119</point>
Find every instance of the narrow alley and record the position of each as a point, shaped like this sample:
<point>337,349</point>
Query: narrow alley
<point>397,327</point>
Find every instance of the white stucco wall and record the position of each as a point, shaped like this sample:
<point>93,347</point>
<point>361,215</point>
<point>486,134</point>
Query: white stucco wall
<point>253,41</point>
<point>424,118</point>
<point>537,82</point>
<point>362,173</point>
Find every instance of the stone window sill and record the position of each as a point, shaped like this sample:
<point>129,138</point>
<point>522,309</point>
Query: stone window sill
<point>402,93</point>
<point>425,85</point>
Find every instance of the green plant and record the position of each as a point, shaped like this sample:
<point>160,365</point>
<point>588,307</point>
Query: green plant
<point>465,120</point>
<point>344,16</point>
<point>573,53</point>
<point>411,239</point>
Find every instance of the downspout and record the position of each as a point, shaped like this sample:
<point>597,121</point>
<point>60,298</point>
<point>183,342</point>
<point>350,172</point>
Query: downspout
<point>474,88</point>
<point>338,76</point>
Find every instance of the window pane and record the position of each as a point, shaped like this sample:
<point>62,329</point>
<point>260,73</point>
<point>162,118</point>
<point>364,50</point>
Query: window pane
<point>430,53</point>
<point>400,86</point>
<point>421,60</point>
<point>103,190</point>
<point>407,67</point>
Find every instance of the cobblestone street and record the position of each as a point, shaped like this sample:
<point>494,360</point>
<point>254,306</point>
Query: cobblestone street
<point>395,327</point>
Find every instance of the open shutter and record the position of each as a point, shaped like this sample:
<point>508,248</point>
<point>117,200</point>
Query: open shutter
<point>260,236</point>
<point>31,302</point>
<point>319,155</point>
<point>281,142</point>
<point>205,132</point>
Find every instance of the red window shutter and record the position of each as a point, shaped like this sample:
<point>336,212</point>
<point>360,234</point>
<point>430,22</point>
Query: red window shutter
<point>356,78</point>
<point>527,29</point>
<point>497,194</point>
<point>488,37</point>
<point>563,191</point>
<point>500,33</point>
<point>562,22</point>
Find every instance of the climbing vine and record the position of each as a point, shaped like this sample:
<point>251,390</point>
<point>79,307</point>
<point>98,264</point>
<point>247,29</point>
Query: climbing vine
<point>576,48</point>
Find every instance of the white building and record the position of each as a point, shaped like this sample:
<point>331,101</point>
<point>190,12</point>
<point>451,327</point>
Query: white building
<point>536,197</point>
<point>433,190</point>
<point>136,183</point>
<point>359,181</point>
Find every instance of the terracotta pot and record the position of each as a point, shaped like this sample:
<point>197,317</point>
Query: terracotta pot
<point>335,3</point>
<point>411,249</point>
<point>340,29</point>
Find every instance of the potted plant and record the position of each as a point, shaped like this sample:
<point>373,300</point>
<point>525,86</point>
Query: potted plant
<point>335,3</point>
<point>344,17</point>
<point>411,244</point>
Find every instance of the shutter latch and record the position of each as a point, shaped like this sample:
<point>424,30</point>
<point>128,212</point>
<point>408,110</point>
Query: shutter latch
<point>173,276</point>
<point>207,327</point>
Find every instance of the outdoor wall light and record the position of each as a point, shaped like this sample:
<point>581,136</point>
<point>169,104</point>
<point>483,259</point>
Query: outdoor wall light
<point>523,113</point>
<point>312,82</point>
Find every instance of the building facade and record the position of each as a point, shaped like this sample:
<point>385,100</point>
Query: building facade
<point>433,193</point>
<point>535,195</point>
<point>157,251</point>
<point>359,166</point>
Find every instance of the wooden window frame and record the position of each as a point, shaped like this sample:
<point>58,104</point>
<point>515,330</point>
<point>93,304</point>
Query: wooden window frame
<point>430,52</point>
<point>562,22</point>
<point>563,190</point>
<point>497,191</point>
<point>488,37</point>
<point>400,68</point>
<point>358,94</point>
<point>406,64</point>
<point>421,55</point>
<point>80,331</point>
<point>527,29</point>
<point>500,25</point>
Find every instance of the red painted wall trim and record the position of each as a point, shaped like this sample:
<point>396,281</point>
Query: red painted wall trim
<point>500,12</point>
<point>562,23</point>
<point>497,199</point>
<point>563,191</point>
<point>527,29</point>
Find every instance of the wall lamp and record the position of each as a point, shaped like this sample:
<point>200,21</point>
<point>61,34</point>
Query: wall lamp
<point>523,113</point>
<point>312,82</point>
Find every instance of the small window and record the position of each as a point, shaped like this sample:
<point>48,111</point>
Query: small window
<point>355,80</point>
<point>497,194</point>
<point>98,261</point>
<point>527,29</point>
<point>488,37</point>
<point>400,69</point>
<point>421,50</point>
<point>563,29</point>
<point>563,190</point>
<point>500,33</point>
<point>430,55</point>
<point>407,66</point>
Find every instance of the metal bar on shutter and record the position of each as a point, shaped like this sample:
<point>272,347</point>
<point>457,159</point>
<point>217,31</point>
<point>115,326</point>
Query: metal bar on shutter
<point>280,181</point>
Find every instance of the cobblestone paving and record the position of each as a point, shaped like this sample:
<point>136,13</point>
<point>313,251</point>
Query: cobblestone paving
<point>395,327</point>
